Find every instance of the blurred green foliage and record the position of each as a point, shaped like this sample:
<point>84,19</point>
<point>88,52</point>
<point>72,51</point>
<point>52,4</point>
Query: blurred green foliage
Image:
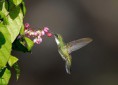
<point>11,27</point>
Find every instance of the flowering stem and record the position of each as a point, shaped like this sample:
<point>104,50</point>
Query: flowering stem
<point>36,35</point>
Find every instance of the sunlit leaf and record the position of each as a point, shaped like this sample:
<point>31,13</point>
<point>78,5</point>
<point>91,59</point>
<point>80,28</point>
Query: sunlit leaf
<point>14,26</point>
<point>5,45</point>
<point>3,9</point>
<point>22,30</point>
<point>16,2</point>
<point>13,20</point>
<point>12,60</point>
<point>4,79</point>
<point>11,25</point>
<point>29,43</point>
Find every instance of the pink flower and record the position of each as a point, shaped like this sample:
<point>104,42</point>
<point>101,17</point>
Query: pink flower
<point>40,39</point>
<point>37,40</point>
<point>42,33</point>
<point>46,29</point>
<point>26,31</point>
<point>27,25</point>
<point>36,35</point>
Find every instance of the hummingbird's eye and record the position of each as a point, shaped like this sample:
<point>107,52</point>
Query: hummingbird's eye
<point>56,35</point>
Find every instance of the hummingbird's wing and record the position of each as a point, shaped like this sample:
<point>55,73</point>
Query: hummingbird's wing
<point>77,44</point>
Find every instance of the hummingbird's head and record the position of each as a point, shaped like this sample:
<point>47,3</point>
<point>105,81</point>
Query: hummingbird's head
<point>58,38</point>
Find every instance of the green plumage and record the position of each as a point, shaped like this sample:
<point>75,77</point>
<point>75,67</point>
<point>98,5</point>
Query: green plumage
<point>65,49</point>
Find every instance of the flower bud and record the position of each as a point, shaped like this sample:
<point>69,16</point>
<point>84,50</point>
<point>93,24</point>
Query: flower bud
<point>46,29</point>
<point>49,34</point>
<point>27,25</point>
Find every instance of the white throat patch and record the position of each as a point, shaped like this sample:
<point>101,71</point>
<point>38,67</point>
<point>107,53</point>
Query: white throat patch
<point>57,41</point>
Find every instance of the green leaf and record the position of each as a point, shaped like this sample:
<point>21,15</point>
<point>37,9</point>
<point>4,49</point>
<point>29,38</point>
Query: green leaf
<point>2,0</point>
<point>16,2</point>
<point>4,79</point>
<point>17,69</point>
<point>19,46</point>
<point>23,7</point>
<point>1,5</point>
<point>3,9</point>
<point>29,43</point>
<point>11,24</point>
<point>23,44</point>
<point>14,11</point>
<point>13,19</point>
<point>14,25</point>
<point>2,71</point>
<point>12,60</point>
<point>5,46</point>
<point>22,30</point>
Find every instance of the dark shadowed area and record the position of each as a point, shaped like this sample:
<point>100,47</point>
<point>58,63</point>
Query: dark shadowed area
<point>94,64</point>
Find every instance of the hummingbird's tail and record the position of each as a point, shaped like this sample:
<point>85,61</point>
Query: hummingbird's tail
<point>68,66</point>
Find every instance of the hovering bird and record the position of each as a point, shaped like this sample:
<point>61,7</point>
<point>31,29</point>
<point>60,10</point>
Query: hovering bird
<point>65,49</point>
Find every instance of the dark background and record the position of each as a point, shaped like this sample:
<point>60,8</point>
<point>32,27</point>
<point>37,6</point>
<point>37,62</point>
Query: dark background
<point>95,64</point>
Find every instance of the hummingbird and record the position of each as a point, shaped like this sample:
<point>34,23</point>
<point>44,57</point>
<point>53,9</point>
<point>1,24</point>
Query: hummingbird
<point>65,49</point>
